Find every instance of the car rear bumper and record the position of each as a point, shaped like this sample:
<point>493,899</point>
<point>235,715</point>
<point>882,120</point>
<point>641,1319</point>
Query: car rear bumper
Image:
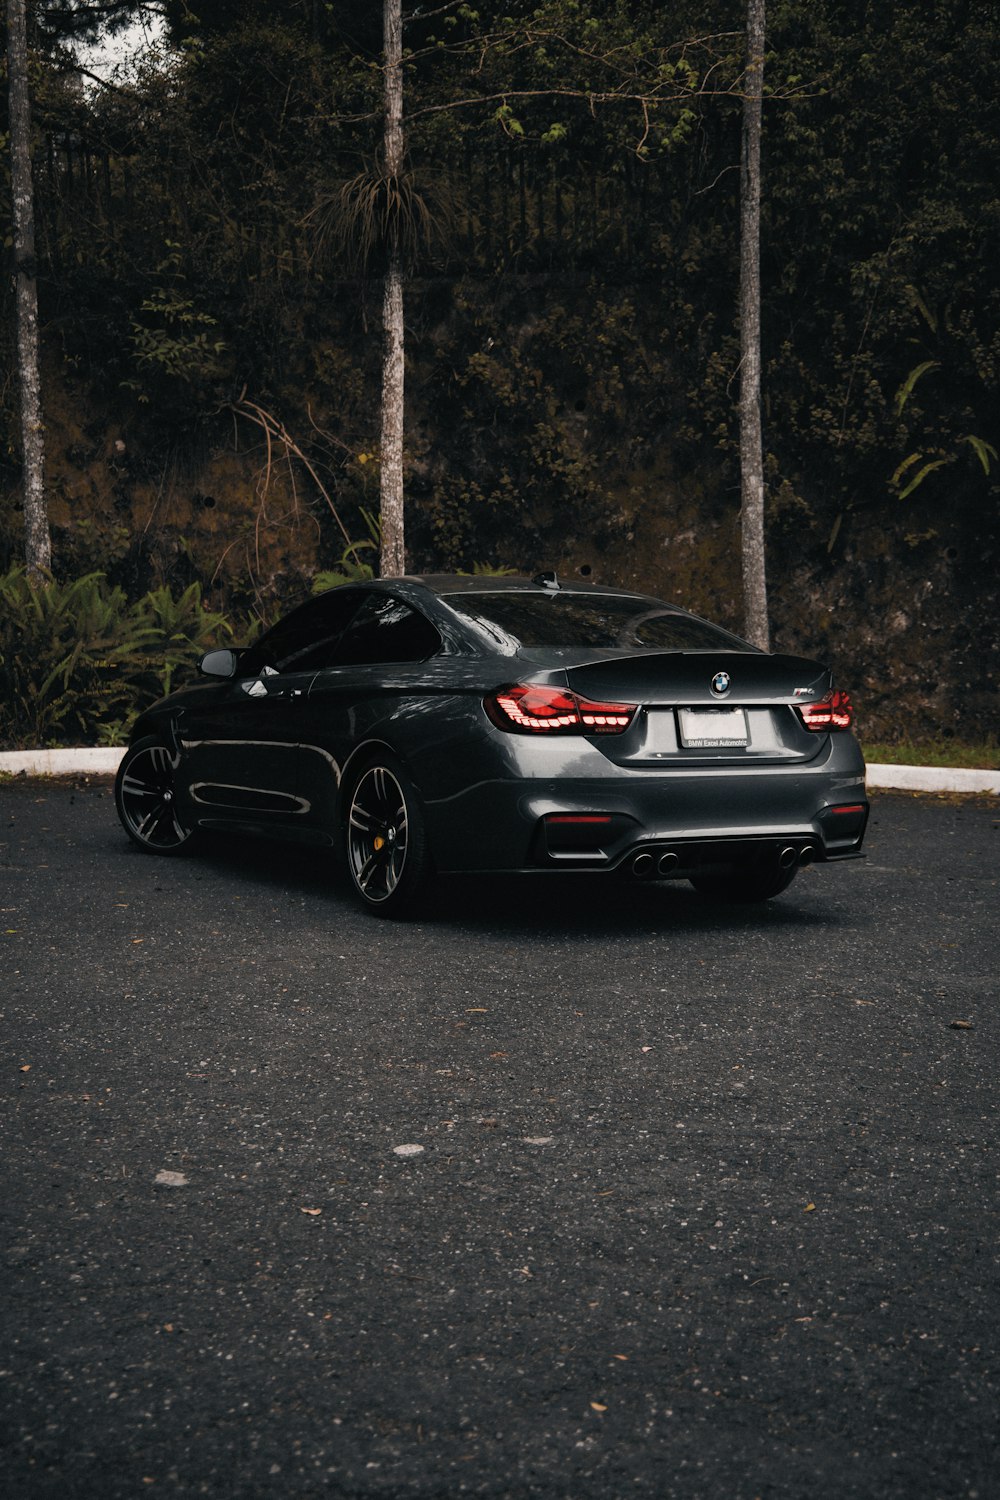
<point>655,825</point>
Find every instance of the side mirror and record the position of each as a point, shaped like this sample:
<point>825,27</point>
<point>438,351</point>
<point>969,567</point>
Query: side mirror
<point>219,664</point>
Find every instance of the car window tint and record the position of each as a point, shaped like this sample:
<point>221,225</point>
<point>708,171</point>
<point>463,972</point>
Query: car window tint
<point>386,630</point>
<point>305,640</point>
<point>602,621</point>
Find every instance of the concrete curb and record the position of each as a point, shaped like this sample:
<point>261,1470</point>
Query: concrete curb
<point>900,778</point>
<point>61,762</point>
<point>933,779</point>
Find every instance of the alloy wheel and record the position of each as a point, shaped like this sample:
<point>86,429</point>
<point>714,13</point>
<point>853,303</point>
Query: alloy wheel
<point>145,794</point>
<point>377,835</point>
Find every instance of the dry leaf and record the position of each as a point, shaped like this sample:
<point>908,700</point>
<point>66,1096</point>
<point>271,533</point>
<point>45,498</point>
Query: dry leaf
<point>810,1208</point>
<point>26,1068</point>
<point>596,1406</point>
<point>962,1025</point>
<point>312,1211</point>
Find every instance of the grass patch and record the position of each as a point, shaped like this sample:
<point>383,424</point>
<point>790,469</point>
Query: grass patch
<point>983,755</point>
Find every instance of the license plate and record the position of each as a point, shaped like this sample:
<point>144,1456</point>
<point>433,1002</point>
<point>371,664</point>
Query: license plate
<point>712,728</point>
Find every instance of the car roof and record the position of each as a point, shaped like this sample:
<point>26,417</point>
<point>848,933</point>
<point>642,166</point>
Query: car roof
<point>484,583</point>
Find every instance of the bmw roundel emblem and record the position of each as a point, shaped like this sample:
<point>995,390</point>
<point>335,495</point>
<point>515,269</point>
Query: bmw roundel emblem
<point>720,683</point>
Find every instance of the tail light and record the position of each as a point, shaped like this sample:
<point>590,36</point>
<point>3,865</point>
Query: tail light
<point>528,709</point>
<point>835,711</point>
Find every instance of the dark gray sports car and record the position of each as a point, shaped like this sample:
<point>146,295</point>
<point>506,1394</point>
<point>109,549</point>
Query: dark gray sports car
<point>455,724</point>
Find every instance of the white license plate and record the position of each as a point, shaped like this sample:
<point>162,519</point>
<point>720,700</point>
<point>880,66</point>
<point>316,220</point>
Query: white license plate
<point>712,728</point>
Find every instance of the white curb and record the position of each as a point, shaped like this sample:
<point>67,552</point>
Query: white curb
<point>933,779</point>
<point>61,762</point>
<point>900,778</point>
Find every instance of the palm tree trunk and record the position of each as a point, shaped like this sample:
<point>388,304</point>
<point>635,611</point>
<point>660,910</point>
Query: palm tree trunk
<point>751,442</point>
<point>37,544</point>
<point>393,556</point>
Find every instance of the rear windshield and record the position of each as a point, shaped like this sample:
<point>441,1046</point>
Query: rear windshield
<point>604,621</point>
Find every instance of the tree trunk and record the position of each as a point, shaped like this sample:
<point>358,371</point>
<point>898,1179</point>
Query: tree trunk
<point>37,544</point>
<point>393,556</point>
<point>751,443</point>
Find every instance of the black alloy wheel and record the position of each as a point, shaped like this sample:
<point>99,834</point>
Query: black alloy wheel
<point>145,797</point>
<point>386,846</point>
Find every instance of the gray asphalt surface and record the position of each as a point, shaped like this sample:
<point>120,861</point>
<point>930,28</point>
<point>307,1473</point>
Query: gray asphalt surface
<point>706,1203</point>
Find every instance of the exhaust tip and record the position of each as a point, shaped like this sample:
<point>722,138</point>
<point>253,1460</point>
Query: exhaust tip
<point>807,855</point>
<point>788,857</point>
<point>667,863</point>
<point>643,865</point>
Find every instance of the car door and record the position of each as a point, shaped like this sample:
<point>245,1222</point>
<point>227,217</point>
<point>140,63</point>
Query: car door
<point>243,746</point>
<point>379,662</point>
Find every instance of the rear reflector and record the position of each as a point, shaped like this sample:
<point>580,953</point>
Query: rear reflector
<point>528,709</point>
<point>835,711</point>
<point>578,818</point>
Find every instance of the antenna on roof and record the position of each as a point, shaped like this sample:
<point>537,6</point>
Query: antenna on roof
<point>547,580</point>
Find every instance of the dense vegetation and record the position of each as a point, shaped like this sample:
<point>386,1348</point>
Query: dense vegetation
<point>212,339</point>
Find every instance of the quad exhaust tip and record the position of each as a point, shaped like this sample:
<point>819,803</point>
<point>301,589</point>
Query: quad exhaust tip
<point>645,864</point>
<point>792,856</point>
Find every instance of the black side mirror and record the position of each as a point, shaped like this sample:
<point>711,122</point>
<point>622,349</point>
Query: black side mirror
<point>219,663</point>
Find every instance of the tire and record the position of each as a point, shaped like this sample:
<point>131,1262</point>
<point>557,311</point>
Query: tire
<point>385,843</point>
<point>145,793</point>
<point>745,885</point>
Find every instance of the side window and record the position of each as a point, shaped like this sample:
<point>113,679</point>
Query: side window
<point>386,630</point>
<point>307,639</point>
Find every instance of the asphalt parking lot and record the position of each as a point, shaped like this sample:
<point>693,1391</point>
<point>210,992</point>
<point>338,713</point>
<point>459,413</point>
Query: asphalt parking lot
<point>565,1189</point>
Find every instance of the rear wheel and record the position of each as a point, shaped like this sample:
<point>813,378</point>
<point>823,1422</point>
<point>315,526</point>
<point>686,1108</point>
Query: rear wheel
<point>385,842</point>
<point>145,798</point>
<point>745,885</point>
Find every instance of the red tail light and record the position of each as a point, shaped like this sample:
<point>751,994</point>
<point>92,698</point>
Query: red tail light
<point>526,709</point>
<point>835,711</point>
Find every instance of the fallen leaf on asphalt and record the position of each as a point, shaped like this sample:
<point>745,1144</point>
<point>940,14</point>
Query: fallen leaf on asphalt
<point>26,1068</point>
<point>962,1025</point>
<point>645,1049</point>
<point>596,1406</point>
<point>312,1211</point>
<point>810,1208</point>
<point>497,1055</point>
<point>171,1179</point>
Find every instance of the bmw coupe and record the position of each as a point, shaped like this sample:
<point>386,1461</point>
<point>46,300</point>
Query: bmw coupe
<point>457,725</point>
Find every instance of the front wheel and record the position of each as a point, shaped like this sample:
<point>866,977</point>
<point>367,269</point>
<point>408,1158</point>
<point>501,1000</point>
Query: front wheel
<point>145,798</point>
<point>386,845</point>
<point>745,885</point>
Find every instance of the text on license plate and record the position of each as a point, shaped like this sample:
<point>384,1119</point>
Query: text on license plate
<point>709,727</point>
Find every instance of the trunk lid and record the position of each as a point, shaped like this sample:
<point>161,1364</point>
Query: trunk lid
<point>706,706</point>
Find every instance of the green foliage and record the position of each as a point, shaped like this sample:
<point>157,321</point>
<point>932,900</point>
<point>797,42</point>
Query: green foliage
<point>353,568</point>
<point>62,650</point>
<point>77,660</point>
